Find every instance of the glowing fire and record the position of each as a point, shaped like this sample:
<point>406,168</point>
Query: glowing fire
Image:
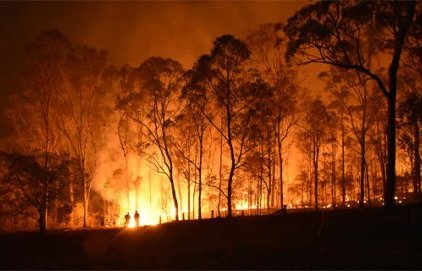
<point>132,223</point>
<point>245,205</point>
<point>145,219</point>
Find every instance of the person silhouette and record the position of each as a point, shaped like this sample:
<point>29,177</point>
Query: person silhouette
<point>136,216</point>
<point>127,220</point>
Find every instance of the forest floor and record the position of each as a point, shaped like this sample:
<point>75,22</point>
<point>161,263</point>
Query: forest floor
<point>355,239</point>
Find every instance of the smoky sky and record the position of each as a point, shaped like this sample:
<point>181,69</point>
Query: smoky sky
<point>129,31</point>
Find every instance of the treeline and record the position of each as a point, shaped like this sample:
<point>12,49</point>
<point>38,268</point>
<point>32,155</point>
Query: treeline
<point>226,126</point>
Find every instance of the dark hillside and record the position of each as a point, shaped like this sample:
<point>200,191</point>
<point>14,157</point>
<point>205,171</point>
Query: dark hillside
<point>372,238</point>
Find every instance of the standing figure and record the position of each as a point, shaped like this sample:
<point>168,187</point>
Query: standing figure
<point>127,220</point>
<point>136,218</point>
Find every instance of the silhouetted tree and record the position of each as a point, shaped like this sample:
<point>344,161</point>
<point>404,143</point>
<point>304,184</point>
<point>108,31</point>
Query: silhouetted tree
<point>80,103</point>
<point>37,184</point>
<point>268,48</point>
<point>314,129</point>
<point>195,95</point>
<point>157,106</point>
<point>34,113</point>
<point>338,105</point>
<point>356,107</point>
<point>410,116</point>
<point>222,71</point>
<point>335,33</point>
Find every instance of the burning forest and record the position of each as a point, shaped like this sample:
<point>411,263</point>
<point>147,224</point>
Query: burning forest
<point>319,109</point>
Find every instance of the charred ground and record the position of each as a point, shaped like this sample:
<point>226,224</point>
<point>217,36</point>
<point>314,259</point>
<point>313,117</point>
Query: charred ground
<point>370,238</point>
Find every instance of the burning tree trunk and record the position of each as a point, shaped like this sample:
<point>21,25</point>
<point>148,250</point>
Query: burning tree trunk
<point>220,175</point>
<point>417,163</point>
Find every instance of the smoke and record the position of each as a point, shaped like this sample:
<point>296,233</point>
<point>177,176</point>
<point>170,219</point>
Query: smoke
<point>131,32</point>
<point>129,182</point>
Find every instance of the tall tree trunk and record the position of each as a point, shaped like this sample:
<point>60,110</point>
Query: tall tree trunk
<point>229,190</point>
<point>381,161</point>
<point>417,162</point>
<point>270,160</point>
<point>193,201</point>
<point>280,165</point>
<point>391,129</point>
<point>362,142</point>
<point>368,187</point>
<point>220,172</point>
<point>200,174</point>
<point>179,191</point>
<point>46,172</point>
<point>173,193</point>
<point>261,174</point>
<point>72,202</point>
<point>273,195</point>
<point>46,203</point>
<point>233,161</point>
<point>42,221</point>
<point>85,201</point>
<point>343,177</point>
<point>391,151</point>
<point>362,171</point>
<point>316,158</point>
<point>333,176</point>
<point>189,193</point>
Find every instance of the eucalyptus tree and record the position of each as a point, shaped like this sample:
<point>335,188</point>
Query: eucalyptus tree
<point>186,160</point>
<point>313,134</point>
<point>155,105</point>
<point>377,136</point>
<point>355,107</point>
<point>338,105</point>
<point>224,75</point>
<point>336,32</point>
<point>410,116</point>
<point>261,137</point>
<point>129,105</point>
<point>409,109</point>
<point>267,45</point>
<point>197,107</point>
<point>34,112</point>
<point>81,113</point>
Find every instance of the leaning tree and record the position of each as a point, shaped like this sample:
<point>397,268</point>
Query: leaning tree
<point>337,32</point>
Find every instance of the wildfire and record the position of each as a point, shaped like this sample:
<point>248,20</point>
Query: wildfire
<point>145,219</point>
<point>132,223</point>
<point>244,205</point>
